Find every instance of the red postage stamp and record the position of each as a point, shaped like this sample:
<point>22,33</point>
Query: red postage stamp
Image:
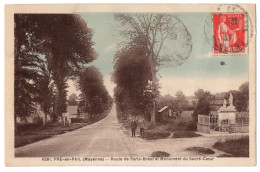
<point>228,33</point>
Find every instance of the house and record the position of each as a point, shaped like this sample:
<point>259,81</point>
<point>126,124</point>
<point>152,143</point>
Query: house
<point>166,113</point>
<point>73,111</point>
<point>218,101</point>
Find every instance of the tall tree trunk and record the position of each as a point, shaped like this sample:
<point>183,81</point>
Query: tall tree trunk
<point>153,113</point>
<point>45,120</point>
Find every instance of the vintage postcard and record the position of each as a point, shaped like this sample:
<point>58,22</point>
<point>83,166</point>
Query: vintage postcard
<point>130,84</point>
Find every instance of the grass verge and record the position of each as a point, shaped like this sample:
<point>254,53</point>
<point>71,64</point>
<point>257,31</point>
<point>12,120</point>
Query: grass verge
<point>185,134</point>
<point>152,134</point>
<point>236,148</point>
<point>52,129</point>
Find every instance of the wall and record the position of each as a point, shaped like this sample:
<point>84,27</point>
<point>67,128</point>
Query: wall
<point>231,116</point>
<point>239,128</point>
<point>165,115</point>
<point>204,128</point>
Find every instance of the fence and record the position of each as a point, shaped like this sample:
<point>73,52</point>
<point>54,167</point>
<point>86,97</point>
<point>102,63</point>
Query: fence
<point>208,123</point>
<point>242,118</point>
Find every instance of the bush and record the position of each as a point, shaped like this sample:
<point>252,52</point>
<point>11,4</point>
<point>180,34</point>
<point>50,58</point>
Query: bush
<point>38,120</point>
<point>192,126</point>
<point>150,135</point>
<point>151,126</point>
<point>185,134</point>
<point>27,127</point>
<point>177,124</point>
<point>76,120</point>
<point>160,154</point>
<point>201,150</point>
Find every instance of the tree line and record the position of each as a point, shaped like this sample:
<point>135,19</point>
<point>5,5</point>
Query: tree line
<point>94,97</point>
<point>49,49</point>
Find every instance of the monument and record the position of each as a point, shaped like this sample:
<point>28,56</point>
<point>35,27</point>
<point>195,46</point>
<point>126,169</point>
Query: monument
<point>227,113</point>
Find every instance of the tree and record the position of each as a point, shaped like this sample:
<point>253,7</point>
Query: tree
<point>132,69</point>
<point>203,105</point>
<point>49,48</point>
<point>91,84</point>
<point>119,96</point>
<point>73,100</point>
<point>25,64</point>
<point>181,101</point>
<point>241,97</point>
<point>44,89</point>
<point>154,33</point>
<point>166,100</point>
<point>244,88</point>
<point>66,41</point>
<point>132,73</point>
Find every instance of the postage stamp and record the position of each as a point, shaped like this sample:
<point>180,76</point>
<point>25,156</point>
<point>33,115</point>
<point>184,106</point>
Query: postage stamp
<point>229,33</point>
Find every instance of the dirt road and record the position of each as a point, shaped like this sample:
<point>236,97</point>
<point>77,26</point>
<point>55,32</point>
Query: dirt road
<point>107,138</point>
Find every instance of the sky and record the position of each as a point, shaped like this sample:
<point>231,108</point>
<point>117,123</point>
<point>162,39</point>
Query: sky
<point>201,70</point>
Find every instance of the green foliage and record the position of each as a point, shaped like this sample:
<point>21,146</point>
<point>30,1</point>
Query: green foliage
<point>201,150</point>
<point>166,100</point>
<point>91,84</point>
<point>44,89</point>
<point>160,154</point>
<point>203,105</point>
<point>243,101</point>
<point>150,33</point>
<point>236,147</point>
<point>177,103</point>
<point>181,101</point>
<point>241,97</point>
<point>132,73</point>
<point>25,64</point>
<point>185,134</point>
<point>132,69</point>
<point>73,100</point>
<point>48,47</point>
<point>67,43</point>
<point>152,134</point>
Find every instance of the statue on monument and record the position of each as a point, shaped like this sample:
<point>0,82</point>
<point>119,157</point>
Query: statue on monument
<point>225,103</point>
<point>230,100</point>
<point>231,108</point>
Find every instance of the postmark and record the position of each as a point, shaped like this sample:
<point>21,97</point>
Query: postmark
<point>231,23</point>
